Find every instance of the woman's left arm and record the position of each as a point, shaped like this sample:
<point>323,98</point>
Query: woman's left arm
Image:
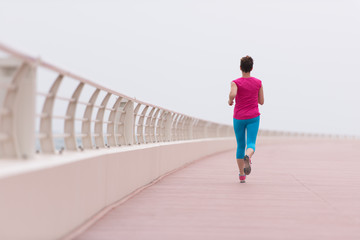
<point>232,94</point>
<point>261,96</point>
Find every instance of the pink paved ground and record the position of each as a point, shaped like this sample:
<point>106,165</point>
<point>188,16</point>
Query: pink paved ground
<point>298,189</point>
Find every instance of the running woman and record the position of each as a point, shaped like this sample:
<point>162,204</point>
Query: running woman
<point>248,93</point>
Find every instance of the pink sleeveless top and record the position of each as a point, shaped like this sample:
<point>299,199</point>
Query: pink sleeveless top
<point>246,100</point>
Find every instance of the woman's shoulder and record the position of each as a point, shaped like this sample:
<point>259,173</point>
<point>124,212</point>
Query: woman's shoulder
<point>237,81</point>
<point>258,81</point>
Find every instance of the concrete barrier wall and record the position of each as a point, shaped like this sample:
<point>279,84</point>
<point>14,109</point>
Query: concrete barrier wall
<point>60,194</point>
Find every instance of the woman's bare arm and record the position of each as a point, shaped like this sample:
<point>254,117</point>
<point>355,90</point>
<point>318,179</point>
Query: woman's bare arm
<point>261,96</point>
<point>232,94</point>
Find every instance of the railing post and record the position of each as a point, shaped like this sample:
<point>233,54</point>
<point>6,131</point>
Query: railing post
<point>198,129</point>
<point>99,122</point>
<point>183,128</point>
<point>69,125</point>
<point>136,110</point>
<point>161,128</point>
<point>86,123</point>
<point>129,123</point>
<point>47,141</point>
<point>179,128</point>
<point>195,128</point>
<point>140,126</point>
<point>175,117</point>
<point>168,124</point>
<point>191,129</point>
<point>125,123</point>
<point>153,125</point>
<point>111,129</point>
<point>148,126</point>
<point>17,109</point>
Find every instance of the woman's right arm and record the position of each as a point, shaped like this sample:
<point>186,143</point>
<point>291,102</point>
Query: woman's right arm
<point>261,95</point>
<point>232,93</point>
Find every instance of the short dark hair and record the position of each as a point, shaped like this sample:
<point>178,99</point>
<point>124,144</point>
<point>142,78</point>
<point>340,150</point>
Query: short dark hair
<point>246,64</point>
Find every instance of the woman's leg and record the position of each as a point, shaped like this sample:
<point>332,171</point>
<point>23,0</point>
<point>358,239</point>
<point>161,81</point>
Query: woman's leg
<point>252,129</point>
<point>239,128</point>
<point>249,152</point>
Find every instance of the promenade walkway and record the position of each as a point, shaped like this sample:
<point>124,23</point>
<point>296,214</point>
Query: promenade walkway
<point>299,188</point>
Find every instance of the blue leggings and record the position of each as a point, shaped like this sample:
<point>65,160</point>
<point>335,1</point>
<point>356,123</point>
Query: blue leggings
<point>251,126</point>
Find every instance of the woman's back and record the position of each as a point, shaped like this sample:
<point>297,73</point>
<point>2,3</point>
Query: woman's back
<point>246,100</point>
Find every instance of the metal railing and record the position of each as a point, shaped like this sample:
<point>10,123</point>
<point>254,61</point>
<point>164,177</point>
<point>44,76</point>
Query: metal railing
<point>96,118</point>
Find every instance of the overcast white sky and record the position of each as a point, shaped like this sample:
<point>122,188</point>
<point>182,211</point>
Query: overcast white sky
<point>182,55</point>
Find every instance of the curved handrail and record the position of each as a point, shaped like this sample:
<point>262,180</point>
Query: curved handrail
<point>42,63</point>
<point>130,120</point>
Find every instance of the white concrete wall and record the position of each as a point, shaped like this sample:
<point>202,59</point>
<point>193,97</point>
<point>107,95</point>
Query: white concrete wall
<point>49,198</point>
